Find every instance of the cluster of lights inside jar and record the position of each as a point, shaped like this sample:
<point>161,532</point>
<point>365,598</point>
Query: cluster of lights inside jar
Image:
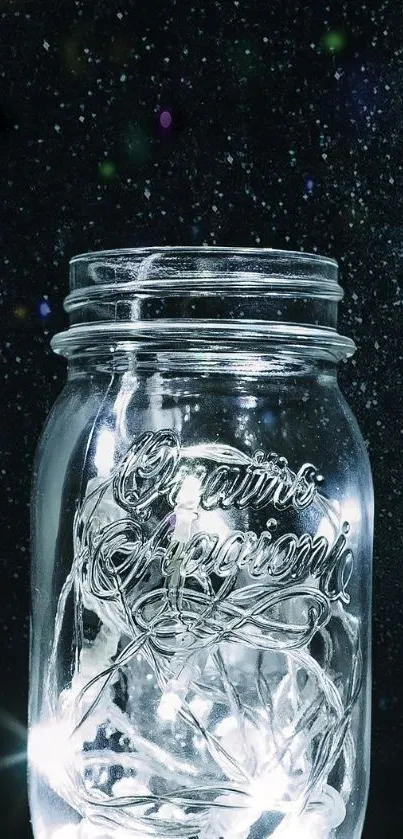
<point>273,764</point>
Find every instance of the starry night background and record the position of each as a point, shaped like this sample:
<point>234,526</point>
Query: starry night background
<point>231,123</point>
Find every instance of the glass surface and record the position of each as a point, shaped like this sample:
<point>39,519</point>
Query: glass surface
<point>202,538</point>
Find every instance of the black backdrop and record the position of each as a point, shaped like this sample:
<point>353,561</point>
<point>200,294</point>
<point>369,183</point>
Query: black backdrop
<point>286,131</point>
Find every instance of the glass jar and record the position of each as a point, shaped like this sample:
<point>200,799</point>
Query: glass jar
<point>202,536</point>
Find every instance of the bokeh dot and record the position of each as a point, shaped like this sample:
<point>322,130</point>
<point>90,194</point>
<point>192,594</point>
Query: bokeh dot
<point>21,311</point>
<point>44,309</point>
<point>107,169</point>
<point>165,119</point>
<point>334,41</point>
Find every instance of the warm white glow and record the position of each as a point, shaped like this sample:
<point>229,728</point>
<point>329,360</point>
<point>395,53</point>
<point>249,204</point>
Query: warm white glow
<point>318,822</point>
<point>200,707</point>
<point>189,493</point>
<point>169,706</point>
<point>105,453</point>
<point>269,789</point>
<point>212,521</point>
<point>68,831</point>
<point>302,827</point>
<point>84,830</point>
<point>50,750</point>
<point>226,726</point>
<point>351,511</point>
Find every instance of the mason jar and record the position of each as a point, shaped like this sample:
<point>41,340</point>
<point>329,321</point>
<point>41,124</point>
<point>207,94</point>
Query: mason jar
<point>201,571</point>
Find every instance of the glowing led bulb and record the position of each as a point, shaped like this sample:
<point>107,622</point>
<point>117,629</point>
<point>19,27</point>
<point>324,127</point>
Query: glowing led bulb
<point>105,452</point>
<point>169,706</point>
<point>68,831</point>
<point>200,707</point>
<point>50,751</point>
<point>269,789</point>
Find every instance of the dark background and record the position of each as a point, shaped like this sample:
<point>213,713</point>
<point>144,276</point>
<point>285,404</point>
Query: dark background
<point>287,131</point>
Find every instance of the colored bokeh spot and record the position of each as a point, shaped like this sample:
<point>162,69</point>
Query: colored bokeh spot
<point>334,41</point>
<point>21,312</point>
<point>44,309</point>
<point>165,119</point>
<point>107,169</point>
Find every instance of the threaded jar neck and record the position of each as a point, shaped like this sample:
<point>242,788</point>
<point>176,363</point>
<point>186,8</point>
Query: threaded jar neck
<point>204,299</point>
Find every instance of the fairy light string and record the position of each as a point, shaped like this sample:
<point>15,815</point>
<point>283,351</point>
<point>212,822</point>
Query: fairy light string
<point>170,594</point>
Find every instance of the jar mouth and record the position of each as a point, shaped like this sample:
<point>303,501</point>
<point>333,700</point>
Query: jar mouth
<point>203,270</point>
<point>192,298</point>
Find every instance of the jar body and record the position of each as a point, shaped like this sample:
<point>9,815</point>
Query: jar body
<point>200,659</point>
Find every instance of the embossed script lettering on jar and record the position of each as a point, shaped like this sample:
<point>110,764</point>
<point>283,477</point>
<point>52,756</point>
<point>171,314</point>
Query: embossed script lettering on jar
<point>190,480</point>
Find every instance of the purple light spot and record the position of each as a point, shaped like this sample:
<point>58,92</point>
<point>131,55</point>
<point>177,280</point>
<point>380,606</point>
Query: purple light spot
<point>310,185</point>
<point>165,119</point>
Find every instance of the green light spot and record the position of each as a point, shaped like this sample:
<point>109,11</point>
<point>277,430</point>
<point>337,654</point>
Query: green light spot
<point>334,41</point>
<point>107,169</point>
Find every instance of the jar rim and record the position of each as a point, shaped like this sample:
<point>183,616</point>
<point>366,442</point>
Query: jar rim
<point>204,249</point>
<point>205,295</point>
<point>212,269</point>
